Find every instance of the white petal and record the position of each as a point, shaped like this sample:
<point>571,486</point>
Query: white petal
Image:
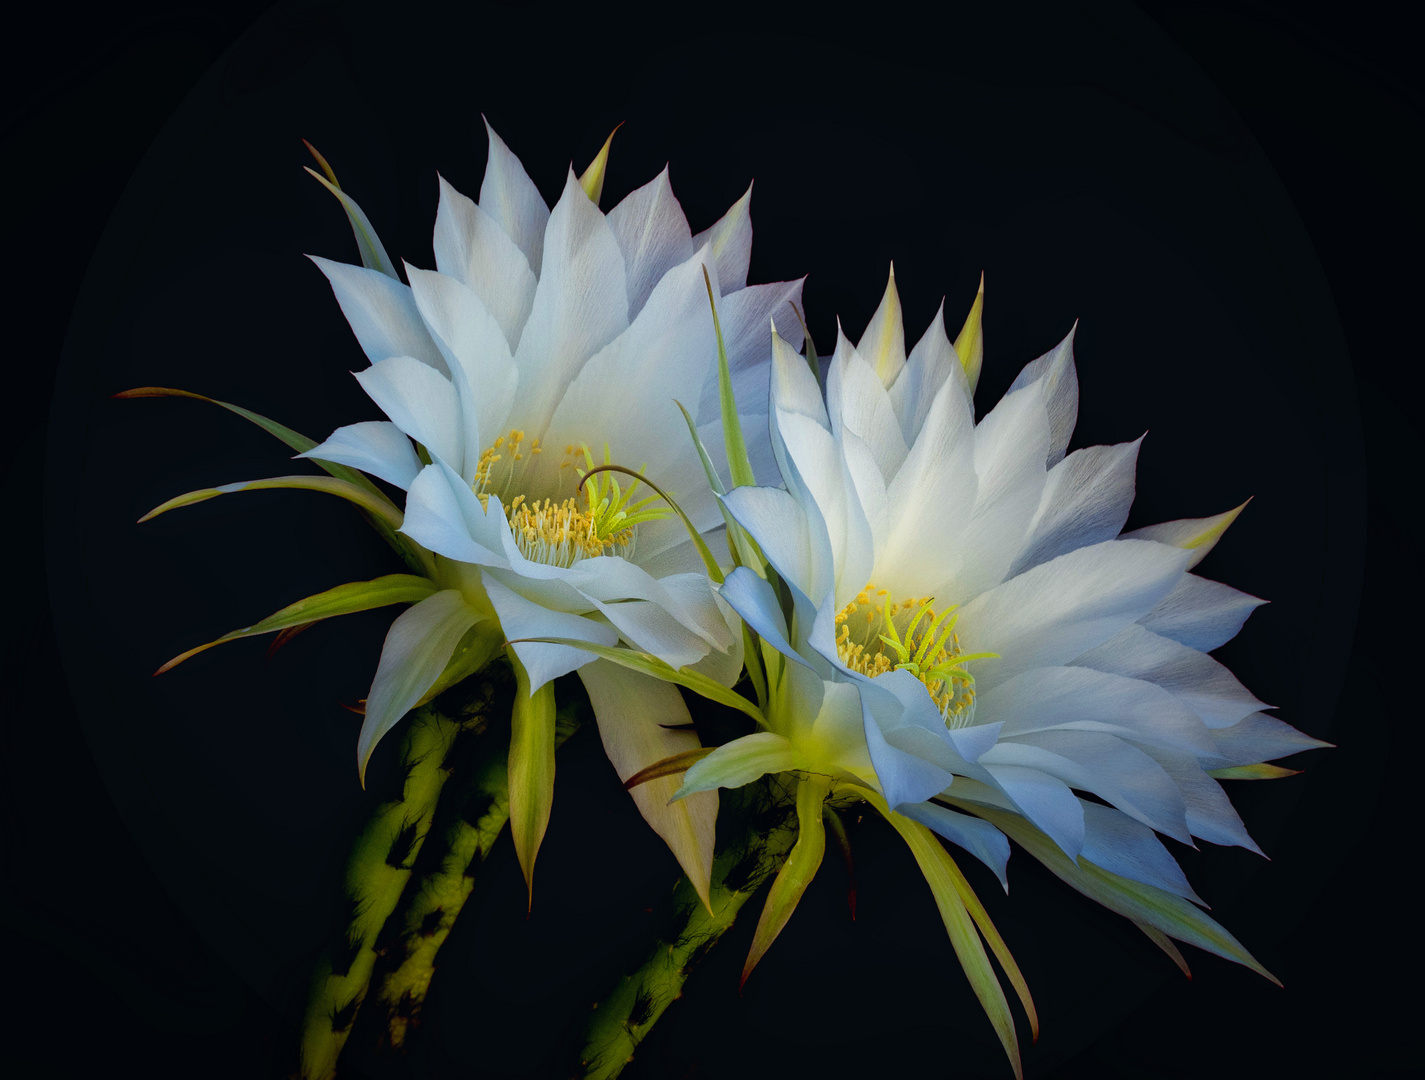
<point>579,306</point>
<point>1122,846</point>
<point>1201,614</point>
<point>373,446</point>
<point>475,351</point>
<point>418,646</point>
<point>882,345</point>
<point>858,404</point>
<point>1198,534</point>
<point>631,710</point>
<point>443,515</point>
<point>731,240</point>
<point>382,313</point>
<point>781,529</point>
<point>1086,500</point>
<point>1197,680</point>
<point>1210,815</point>
<point>1082,699</point>
<point>1260,737</point>
<point>793,387</point>
<point>1108,767</point>
<point>903,755</point>
<point>978,837</point>
<point>471,247</point>
<point>509,196</point>
<point>1045,800</point>
<point>1055,371</point>
<point>421,402</point>
<point>653,235</point>
<point>1061,609</point>
<point>931,362</point>
<point>521,618</point>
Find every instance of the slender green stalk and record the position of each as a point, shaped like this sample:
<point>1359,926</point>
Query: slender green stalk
<point>376,873</point>
<point>474,812</point>
<point>768,828</point>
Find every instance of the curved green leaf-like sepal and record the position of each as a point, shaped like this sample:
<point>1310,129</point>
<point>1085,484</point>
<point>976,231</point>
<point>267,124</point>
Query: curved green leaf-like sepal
<point>796,873</point>
<point>1259,771</point>
<point>531,768</point>
<point>343,600</point>
<point>1172,915</point>
<point>738,463</point>
<point>592,180</point>
<point>373,252</point>
<point>941,875</point>
<point>377,506</point>
<point>970,341</point>
<point>741,761</point>
<point>650,665</point>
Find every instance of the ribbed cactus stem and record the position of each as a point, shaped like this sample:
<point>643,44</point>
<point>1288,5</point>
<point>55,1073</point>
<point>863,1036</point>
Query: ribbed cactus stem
<point>765,829</point>
<point>474,812</point>
<point>376,874</point>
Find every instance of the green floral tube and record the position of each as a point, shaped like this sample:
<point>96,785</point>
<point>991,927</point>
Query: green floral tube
<point>765,830</point>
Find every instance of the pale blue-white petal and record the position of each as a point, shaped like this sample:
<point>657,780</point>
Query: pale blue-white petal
<point>978,837</point>
<point>1210,815</point>
<point>731,242</point>
<point>653,235</point>
<point>418,646</point>
<point>1201,614</point>
<point>471,247</point>
<point>931,362</point>
<point>579,306</point>
<point>377,447</point>
<point>443,515</point>
<point>509,196</point>
<point>521,618</point>
<point>1257,738</point>
<point>859,405</point>
<point>1196,679</point>
<point>1086,500</point>
<point>1122,846</point>
<point>753,599</point>
<point>1044,799</point>
<point>382,313</point>
<point>421,402</point>
<point>1061,609</point>
<point>898,751</point>
<point>882,344</point>
<point>1055,371</point>
<point>781,529</point>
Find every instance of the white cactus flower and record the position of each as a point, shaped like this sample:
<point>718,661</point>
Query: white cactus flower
<point>544,343</point>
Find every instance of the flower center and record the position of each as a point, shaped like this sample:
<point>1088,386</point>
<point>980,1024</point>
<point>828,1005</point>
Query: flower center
<point>876,634</point>
<point>600,519</point>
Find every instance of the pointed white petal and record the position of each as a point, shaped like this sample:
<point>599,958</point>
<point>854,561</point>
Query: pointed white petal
<point>1210,815</point>
<point>632,710</point>
<point>471,247</point>
<point>1197,680</point>
<point>418,646</point>
<point>1061,609</point>
<point>509,196</point>
<point>1198,534</point>
<point>780,527</point>
<point>1086,499</point>
<point>931,362</point>
<point>794,388</point>
<point>443,515</point>
<point>373,446</point>
<point>1055,370</point>
<point>382,313</point>
<point>653,235</point>
<point>731,240</point>
<point>580,305</point>
<point>862,408</point>
<point>1201,614</point>
<point>1260,737</point>
<point>1044,799</point>
<point>882,345</point>
<point>978,837</point>
<point>521,618</point>
<point>420,401</point>
<point>1122,846</point>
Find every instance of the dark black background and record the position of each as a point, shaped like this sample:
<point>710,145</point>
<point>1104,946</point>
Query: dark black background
<point>1223,194</point>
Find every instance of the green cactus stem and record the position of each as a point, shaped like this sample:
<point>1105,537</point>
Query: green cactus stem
<point>764,824</point>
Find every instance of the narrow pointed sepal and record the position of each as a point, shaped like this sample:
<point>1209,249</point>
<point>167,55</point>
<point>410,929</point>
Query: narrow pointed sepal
<point>739,466</point>
<point>1160,939</point>
<point>970,342</point>
<point>378,506</point>
<point>1259,771</point>
<point>796,873</point>
<point>592,180</point>
<point>531,768</point>
<point>373,252</point>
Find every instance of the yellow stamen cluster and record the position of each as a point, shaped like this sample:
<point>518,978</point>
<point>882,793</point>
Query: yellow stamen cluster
<point>560,534</point>
<point>876,635</point>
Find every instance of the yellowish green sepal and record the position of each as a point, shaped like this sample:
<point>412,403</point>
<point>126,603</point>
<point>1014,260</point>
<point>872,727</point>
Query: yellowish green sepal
<point>531,768</point>
<point>970,342</point>
<point>592,180</point>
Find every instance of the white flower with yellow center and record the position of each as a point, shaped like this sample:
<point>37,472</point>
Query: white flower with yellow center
<point>545,343</point>
<point>953,625</point>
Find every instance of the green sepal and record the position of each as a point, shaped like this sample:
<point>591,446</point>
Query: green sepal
<point>813,361</point>
<point>659,669</point>
<point>592,180</point>
<point>378,507</point>
<point>342,600</point>
<point>739,466</point>
<point>531,768</point>
<point>970,341</point>
<point>373,252</point>
<point>1259,771</point>
<point>743,548</point>
<point>796,873</point>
